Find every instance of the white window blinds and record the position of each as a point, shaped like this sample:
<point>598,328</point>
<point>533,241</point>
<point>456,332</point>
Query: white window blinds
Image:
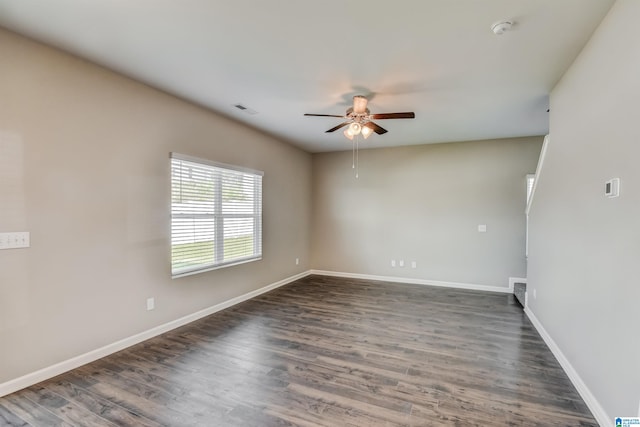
<point>216,215</point>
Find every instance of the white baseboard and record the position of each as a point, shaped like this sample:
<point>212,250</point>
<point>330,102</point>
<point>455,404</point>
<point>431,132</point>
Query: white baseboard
<point>75,362</point>
<point>596,409</point>
<point>414,281</point>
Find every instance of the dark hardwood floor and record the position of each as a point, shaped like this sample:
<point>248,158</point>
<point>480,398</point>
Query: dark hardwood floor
<point>324,351</point>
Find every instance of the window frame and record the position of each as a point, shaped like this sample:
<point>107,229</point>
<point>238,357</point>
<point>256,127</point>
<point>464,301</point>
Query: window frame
<point>218,216</point>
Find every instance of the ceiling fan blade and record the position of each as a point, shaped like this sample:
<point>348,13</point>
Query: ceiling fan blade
<point>323,115</point>
<point>374,127</point>
<point>407,115</point>
<point>333,129</point>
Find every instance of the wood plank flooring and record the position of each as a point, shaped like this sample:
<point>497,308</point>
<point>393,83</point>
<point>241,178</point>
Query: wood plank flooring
<point>324,352</point>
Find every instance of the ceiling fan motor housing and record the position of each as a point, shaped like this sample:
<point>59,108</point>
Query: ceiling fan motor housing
<point>357,117</point>
<point>359,104</point>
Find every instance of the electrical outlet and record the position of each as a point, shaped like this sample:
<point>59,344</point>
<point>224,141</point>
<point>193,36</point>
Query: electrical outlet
<point>297,261</point>
<point>535,294</point>
<point>482,228</point>
<point>393,263</point>
<point>151,304</point>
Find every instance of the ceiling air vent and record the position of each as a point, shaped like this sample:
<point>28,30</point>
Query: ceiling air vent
<point>245,109</point>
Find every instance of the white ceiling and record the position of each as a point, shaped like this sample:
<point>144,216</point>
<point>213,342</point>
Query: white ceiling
<point>284,58</point>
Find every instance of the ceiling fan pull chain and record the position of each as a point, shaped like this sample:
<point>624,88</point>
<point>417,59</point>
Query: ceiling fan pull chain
<point>357,147</point>
<point>353,154</point>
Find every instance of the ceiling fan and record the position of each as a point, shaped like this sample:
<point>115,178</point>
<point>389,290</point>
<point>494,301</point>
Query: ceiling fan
<point>360,120</point>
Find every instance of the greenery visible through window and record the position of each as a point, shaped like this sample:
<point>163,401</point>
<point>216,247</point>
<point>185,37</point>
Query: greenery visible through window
<point>216,215</point>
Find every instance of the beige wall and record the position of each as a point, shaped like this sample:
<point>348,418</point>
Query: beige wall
<point>584,247</point>
<point>425,203</point>
<point>84,166</point>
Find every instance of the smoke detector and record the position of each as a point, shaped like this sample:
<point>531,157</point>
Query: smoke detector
<point>501,27</point>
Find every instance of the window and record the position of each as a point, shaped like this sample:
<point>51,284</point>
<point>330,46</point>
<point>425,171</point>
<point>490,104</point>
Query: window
<point>216,215</point>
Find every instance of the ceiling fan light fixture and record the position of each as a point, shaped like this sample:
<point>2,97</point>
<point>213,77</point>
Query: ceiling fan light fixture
<point>354,128</point>
<point>348,135</point>
<point>366,132</point>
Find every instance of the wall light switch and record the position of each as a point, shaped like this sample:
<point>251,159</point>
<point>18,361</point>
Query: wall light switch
<point>393,263</point>
<point>401,263</point>
<point>15,240</point>
<point>612,187</point>
<point>151,304</point>
<point>482,228</point>
<point>413,264</point>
